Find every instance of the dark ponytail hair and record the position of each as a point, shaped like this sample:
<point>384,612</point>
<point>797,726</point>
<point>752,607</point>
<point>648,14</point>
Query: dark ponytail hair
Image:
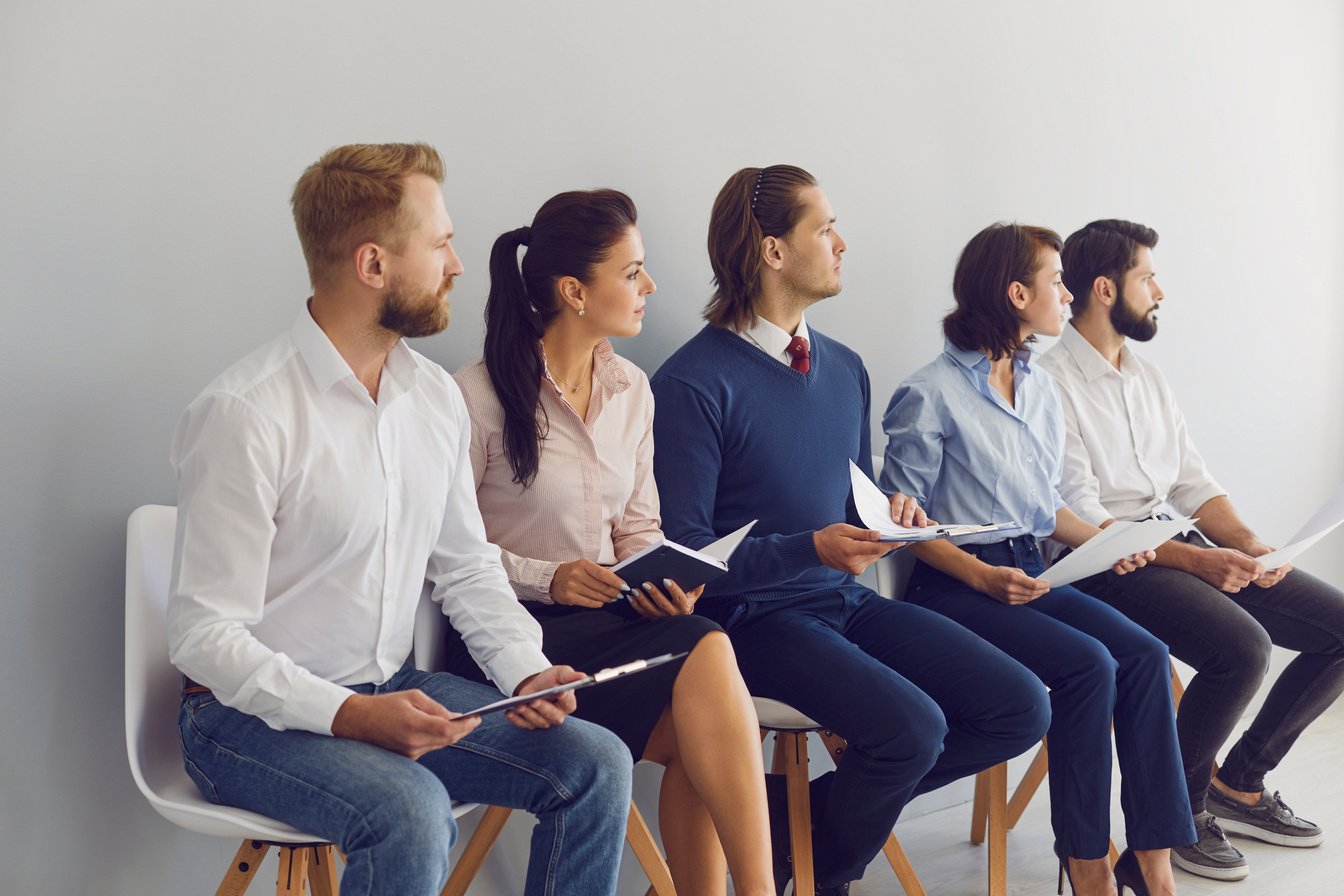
<point>753,204</point>
<point>570,235</point>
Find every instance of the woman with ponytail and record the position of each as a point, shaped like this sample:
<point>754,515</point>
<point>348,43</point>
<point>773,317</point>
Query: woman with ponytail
<point>562,450</point>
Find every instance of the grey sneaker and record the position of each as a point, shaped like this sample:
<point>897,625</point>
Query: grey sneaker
<point>1269,820</point>
<point>1210,856</point>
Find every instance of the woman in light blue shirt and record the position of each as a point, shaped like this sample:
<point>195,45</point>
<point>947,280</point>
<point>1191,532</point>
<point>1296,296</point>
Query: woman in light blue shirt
<point>978,436</point>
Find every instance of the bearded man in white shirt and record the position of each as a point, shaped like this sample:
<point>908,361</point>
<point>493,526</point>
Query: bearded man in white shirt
<point>1130,457</point>
<point>323,482</point>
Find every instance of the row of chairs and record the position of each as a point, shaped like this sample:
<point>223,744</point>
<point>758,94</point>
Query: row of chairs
<point>308,864</point>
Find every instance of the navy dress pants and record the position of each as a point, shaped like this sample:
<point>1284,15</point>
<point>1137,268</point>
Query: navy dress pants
<point>1099,667</point>
<point>920,701</point>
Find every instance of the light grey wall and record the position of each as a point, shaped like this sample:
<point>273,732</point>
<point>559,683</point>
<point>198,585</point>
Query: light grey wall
<point>149,149</point>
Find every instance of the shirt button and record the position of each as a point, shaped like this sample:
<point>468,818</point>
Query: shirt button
<point>1030,459</point>
<point>1033,493</point>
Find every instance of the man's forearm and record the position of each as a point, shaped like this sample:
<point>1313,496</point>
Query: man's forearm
<point>1219,522</point>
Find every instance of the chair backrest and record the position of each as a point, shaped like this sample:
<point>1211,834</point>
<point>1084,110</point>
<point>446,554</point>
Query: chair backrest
<point>427,646</point>
<point>893,570</point>
<point>153,686</point>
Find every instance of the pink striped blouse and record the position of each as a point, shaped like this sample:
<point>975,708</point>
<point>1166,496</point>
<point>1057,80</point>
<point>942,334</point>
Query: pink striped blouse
<point>594,495</point>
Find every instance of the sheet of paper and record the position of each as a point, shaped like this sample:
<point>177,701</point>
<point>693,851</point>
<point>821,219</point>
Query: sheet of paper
<point>724,547</point>
<point>875,511</point>
<point>1119,539</point>
<point>1320,525</point>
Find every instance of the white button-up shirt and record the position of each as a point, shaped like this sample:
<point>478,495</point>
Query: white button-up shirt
<point>310,518</point>
<point>1128,455</point>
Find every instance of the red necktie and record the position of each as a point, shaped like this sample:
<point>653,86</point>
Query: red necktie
<point>802,361</point>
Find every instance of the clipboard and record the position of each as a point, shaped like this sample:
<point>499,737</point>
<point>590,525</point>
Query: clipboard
<point>600,677</point>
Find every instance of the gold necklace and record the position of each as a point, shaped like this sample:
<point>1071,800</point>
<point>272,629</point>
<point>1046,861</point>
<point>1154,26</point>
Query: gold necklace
<point>565,384</point>
<point>559,382</point>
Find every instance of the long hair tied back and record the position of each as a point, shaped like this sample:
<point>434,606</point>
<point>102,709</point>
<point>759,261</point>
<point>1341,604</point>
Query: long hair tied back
<point>571,234</point>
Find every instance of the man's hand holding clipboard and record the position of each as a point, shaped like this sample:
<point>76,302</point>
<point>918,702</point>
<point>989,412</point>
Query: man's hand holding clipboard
<point>546,689</point>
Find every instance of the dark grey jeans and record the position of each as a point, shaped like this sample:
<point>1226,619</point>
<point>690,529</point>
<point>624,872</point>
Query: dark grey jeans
<point>1227,638</point>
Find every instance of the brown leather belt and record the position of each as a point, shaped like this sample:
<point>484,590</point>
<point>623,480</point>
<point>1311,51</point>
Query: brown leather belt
<point>191,688</point>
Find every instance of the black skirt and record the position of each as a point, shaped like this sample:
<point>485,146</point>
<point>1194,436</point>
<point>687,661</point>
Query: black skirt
<point>592,639</point>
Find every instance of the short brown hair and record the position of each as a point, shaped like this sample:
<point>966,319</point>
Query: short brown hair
<point>753,204</point>
<point>352,195</point>
<point>994,259</point>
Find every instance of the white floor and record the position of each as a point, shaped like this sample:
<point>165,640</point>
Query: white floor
<point>1311,780</point>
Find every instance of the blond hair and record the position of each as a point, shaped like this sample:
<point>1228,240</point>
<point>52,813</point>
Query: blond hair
<point>353,195</point>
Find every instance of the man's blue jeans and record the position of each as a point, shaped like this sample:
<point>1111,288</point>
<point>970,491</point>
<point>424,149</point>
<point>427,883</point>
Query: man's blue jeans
<point>391,816</point>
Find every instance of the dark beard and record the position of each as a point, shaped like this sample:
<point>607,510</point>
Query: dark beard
<point>1140,328</point>
<point>412,315</point>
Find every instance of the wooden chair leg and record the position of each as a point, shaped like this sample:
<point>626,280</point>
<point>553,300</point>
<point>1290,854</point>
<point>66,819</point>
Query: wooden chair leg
<point>246,861</point>
<point>1177,688</point>
<point>292,878</point>
<point>640,838</point>
<point>996,787</point>
<point>777,757</point>
<point>473,855</point>
<point>322,871</point>
<point>800,808</point>
<point>1027,787</point>
<point>980,808</point>
<point>900,864</point>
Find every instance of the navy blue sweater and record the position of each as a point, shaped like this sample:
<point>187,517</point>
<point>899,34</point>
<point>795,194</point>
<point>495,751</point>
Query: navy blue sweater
<point>739,436</point>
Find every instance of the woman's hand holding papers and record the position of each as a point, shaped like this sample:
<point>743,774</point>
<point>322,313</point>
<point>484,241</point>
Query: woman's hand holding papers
<point>1008,584</point>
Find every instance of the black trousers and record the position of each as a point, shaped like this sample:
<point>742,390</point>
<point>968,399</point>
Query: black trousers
<point>1227,638</point>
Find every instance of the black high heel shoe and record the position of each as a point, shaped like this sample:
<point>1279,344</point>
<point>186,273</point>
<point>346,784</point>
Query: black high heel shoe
<point>1063,870</point>
<point>1129,874</point>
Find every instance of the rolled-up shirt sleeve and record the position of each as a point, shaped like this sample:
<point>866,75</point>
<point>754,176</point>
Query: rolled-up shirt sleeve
<point>226,456</point>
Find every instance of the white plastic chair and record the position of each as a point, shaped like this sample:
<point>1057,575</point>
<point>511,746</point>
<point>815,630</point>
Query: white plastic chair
<point>153,699</point>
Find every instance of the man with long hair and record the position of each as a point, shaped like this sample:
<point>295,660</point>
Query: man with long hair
<point>758,417</point>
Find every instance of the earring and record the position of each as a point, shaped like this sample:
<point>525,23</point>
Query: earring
<point>580,312</point>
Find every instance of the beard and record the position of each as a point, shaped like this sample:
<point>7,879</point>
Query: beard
<point>412,312</point>
<point>1139,327</point>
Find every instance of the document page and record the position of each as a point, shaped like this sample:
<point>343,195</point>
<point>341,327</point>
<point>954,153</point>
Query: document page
<point>1119,539</point>
<point>875,511</point>
<point>1322,524</point>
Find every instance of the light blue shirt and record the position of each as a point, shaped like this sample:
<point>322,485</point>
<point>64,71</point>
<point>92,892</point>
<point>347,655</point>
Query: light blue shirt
<point>966,455</point>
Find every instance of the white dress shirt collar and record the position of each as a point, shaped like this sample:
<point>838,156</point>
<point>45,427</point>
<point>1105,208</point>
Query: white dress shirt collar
<point>1091,362</point>
<point>773,339</point>
<point>327,366</point>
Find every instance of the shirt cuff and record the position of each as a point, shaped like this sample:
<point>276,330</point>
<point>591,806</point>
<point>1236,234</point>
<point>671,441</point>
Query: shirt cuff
<point>537,586</point>
<point>312,704</point>
<point>514,663</point>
